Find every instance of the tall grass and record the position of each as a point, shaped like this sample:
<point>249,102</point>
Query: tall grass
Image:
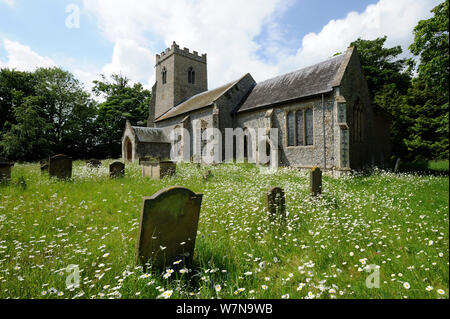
<point>398,222</point>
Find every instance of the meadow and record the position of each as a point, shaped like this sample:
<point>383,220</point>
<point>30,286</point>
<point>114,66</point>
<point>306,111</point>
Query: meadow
<point>398,222</point>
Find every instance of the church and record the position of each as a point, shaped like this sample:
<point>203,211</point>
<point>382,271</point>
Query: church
<point>323,112</point>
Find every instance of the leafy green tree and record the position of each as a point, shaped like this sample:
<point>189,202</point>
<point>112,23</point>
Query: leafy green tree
<point>67,107</point>
<point>25,140</point>
<point>64,114</point>
<point>429,97</point>
<point>382,66</point>
<point>123,101</point>
<point>11,82</point>
<point>389,79</point>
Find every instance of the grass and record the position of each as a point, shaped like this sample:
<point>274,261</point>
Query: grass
<point>399,222</point>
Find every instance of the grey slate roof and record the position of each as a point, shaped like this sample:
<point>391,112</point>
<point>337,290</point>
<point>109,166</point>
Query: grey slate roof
<point>198,101</point>
<point>150,135</point>
<point>309,81</point>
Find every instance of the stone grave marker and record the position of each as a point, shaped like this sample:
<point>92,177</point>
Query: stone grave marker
<point>5,170</point>
<point>168,227</point>
<point>95,163</point>
<point>397,165</point>
<point>275,201</point>
<point>158,170</point>
<point>116,169</point>
<point>44,168</point>
<point>207,175</point>
<point>60,166</point>
<point>315,181</point>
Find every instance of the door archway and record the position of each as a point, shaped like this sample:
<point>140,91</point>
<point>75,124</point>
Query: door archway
<point>128,150</point>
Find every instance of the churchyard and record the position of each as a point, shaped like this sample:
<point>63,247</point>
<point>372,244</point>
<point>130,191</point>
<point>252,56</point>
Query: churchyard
<point>357,230</point>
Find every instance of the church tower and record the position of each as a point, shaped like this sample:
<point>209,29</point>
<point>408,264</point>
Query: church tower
<point>180,75</point>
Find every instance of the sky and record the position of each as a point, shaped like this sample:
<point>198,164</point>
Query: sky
<point>265,38</point>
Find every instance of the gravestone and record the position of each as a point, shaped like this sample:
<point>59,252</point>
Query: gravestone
<point>116,169</point>
<point>93,163</point>
<point>60,166</point>
<point>44,168</point>
<point>397,165</point>
<point>5,170</point>
<point>158,170</point>
<point>275,202</point>
<point>315,181</point>
<point>207,175</point>
<point>168,227</point>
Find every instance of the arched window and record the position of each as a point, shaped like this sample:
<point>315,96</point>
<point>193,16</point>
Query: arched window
<point>300,127</point>
<point>164,75</point>
<point>191,75</point>
<point>309,127</point>
<point>290,129</point>
<point>357,127</point>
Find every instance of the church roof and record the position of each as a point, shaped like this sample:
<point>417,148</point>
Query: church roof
<point>198,101</point>
<point>316,79</point>
<point>149,135</point>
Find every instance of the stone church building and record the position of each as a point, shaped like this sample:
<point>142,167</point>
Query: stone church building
<point>323,112</point>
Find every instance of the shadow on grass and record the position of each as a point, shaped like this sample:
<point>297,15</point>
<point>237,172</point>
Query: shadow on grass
<point>436,168</point>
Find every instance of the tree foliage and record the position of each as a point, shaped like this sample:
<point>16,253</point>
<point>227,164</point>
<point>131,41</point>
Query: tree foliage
<point>123,101</point>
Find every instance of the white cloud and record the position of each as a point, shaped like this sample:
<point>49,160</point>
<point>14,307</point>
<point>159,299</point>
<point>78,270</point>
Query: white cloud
<point>226,31</point>
<point>395,19</point>
<point>23,58</point>
<point>8,2</point>
<point>132,60</point>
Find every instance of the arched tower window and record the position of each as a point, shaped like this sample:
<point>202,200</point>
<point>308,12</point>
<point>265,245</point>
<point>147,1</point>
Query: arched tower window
<point>191,75</point>
<point>164,75</point>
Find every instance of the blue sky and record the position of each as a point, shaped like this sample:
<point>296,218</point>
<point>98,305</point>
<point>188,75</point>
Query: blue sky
<point>263,37</point>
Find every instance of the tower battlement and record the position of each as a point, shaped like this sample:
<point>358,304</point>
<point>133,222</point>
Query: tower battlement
<point>175,48</point>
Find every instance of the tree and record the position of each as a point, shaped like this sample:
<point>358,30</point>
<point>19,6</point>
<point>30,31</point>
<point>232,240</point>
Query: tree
<point>123,102</point>
<point>388,78</point>
<point>67,107</point>
<point>25,139</point>
<point>11,82</point>
<point>62,110</point>
<point>381,66</point>
<point>429,97</point>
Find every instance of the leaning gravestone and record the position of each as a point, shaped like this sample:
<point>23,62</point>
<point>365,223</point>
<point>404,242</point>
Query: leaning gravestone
<point>168,227</point>
<point>5,170</point>
<point>95,163</point>
<point>315,181</point>
<point>117,169</point>
<point>60,166</point>
<point>275,202</point>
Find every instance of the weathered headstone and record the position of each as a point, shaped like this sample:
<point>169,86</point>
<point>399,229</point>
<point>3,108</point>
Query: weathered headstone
<point>397,165</point>
<point>93,163</point>
<point>44,168</point>
<point>60,166</point>
<point>168,227</point>
<point>315,181</point>
<point>275,202</point>
<point>5,170</point>
<point>117,169</point>
<point>207,175</point>
<point>158,170</point>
